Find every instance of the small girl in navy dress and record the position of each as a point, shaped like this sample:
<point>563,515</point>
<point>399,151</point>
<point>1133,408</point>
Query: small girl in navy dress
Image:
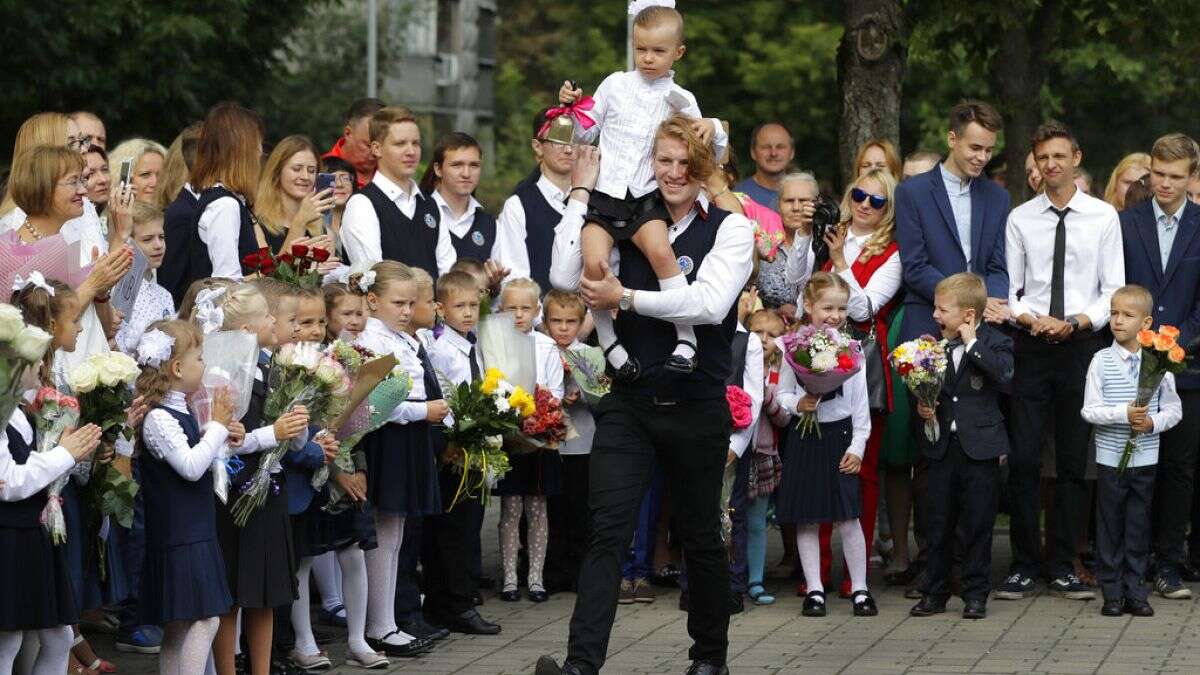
<point>183,585</point>
<point>820,471</point>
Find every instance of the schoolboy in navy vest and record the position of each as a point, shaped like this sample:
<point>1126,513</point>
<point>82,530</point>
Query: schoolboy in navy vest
<point>391,218</point>
<point>679,420</point>
<point>964,462</point>
<point>1161,250</point>
<point>525,228</point>
<point>1123,498</point>
<point>451,178</point>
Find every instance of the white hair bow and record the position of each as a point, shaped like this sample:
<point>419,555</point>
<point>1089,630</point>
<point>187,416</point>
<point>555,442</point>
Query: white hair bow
<point>636,6</point>
<point>35,278</point>
<point>209,315</point>
<point>154,348</point>
<point>366,281</point>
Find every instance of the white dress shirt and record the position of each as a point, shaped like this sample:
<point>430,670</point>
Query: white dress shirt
<point>450,358</point>
<point>549,364</point>
<point>457,225</point>
<point>360,225</point>
<point>752,383</point>
<point>581,416</point>
<point>719,280</point>
<point>852,403</point>
<point>220,228</point>
<point>958,192</point>
<point>510,249</point>
<point>956,356</point>
<point>167,441</point>
<point>1096,411</point>
<point>1095,260</point>
<point>22,481</point>
<point>880,289</point>
<point>629,108</point>
<point>154,303</point>
<point>382,340</point>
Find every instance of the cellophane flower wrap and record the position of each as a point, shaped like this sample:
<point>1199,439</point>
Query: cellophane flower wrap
<point>823,358</point>
<point>546,428</point>
<point>739,406</point>
<point>21,346</point>
<point>54,413</point>
<point>230,364</point>
<point>1161,354</point>
<point>301,374</point>
<point>484,412</point>
<point>921,363</point>
<point>584,368</point>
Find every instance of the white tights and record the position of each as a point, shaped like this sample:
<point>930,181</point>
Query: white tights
<point>186,646</point>
<point>383,564</point>
<point>510,538</point>
<point>329,580</point>
<point>854,548</point>
<point>353,577</point>
<point>53,654</point>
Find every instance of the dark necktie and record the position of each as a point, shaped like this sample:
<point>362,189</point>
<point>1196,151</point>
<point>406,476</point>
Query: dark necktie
<point>433,390</point>
<point>1057,291</point>
<point>832,395</point>
<point>471,356</point>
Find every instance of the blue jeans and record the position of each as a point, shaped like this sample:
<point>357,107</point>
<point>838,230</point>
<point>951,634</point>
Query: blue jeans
<point>640,563</point>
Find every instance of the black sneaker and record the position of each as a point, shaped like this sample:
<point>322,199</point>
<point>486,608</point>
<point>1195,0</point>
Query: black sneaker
<point>1070,587</point>
<point>1016,587</point>
<point>1170,586</point>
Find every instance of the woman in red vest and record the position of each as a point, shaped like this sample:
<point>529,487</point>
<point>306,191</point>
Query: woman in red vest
<point>862,250</point>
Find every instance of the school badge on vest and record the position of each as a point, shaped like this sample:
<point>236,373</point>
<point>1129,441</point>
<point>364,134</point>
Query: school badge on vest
<point>686,265</point>
<point>429,221</point>
<point>977,382</point>
<point>478,238</point>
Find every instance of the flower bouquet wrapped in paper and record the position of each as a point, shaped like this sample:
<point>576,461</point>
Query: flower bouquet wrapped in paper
<point>54,413</point>
<point>921,363</point>
<point>544,426</point>
<point>823,358</point>
<point>21,346</point>
<point>508,350</point>
<point>585,368</point>
<point>1160,355</point>
<point>230,362</point>
<point>301,374</point>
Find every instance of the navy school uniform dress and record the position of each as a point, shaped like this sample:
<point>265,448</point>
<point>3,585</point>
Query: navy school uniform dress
<point>260,559</point>
<point>183,576</point>
<point>35,583</point>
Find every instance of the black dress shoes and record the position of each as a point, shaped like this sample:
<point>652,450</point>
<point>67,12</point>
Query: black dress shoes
<point>864,603</point>
<point>510,596</point>
<point>707,668</point>
<point>814,604</point>
<point>538,596</point>
<point>470,623</point>
<point>928,606</point>
<point>974,609</point>
<point>1112,608</point>
<point>421,629</point>
<point>546,665</point>
<point>1137,607</point>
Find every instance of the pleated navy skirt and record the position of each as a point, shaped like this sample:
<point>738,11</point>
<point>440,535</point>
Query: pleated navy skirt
<point>325,532</point>
<point>401,470</point>
<point>35,581</point>
<point>183,583</point>
<point>537,473</point>
<point>813,489</point>
<point>260,558</point>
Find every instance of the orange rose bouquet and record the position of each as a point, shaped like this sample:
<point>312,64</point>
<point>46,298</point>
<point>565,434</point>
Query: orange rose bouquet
<point>1160,355</point>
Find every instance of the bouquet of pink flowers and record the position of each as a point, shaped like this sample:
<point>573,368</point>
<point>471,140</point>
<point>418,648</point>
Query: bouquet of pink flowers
<point>54,413</point>
<point>822,358</point>
<point>921,363</point>
<point>739,406</point>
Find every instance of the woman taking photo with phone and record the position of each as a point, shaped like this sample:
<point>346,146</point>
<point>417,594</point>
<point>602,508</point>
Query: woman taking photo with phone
<point>287,206</point>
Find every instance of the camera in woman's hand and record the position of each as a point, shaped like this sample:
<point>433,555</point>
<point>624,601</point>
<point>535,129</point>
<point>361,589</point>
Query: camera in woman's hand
<point>826,215</point>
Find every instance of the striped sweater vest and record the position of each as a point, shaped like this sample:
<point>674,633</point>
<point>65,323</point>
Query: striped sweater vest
<point>1120,389</point>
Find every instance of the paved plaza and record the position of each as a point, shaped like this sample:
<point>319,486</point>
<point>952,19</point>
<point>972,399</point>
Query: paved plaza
<point>1042,635</point>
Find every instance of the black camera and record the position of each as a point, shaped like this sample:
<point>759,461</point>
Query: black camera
<point>826,215</point>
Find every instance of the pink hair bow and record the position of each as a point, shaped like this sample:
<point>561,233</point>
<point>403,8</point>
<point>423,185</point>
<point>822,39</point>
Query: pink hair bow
<point>578,110</point>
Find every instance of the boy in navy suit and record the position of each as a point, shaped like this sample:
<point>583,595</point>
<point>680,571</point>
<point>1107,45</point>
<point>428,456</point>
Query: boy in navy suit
<point>964,466</point>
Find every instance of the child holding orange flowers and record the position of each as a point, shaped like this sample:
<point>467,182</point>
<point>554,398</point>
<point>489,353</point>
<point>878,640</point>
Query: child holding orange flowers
<point>1118,379</point>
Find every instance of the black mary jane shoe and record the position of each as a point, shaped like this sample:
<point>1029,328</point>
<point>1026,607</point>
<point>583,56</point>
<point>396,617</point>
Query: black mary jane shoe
<point>510,596</point>
<point>683,365</point>
<point>539,595</point>
<point>864,603</point>
<point>974,609</point>
<point>629,372</point>
<point>814,604</point>
<point>1137,607</point>
<point>412,649</point>
<point>1111,608</point>
<point>928,606</point>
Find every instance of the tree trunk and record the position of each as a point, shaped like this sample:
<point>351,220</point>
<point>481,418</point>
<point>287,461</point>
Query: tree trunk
<point>1018,73</point>
<point>872,58</point>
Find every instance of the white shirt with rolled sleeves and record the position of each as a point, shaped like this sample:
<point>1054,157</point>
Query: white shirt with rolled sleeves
<point>628,111</point>
<point>852,403</point>
<point>752,383</point>
<point>220,227</point>
<point>382,340</point>
<point>360,225</point>
<point>167,441</point>
<point>510,249</point>
<point>1095,258</point>
<point>719,280</point>
<point>880,289</point>
<point>22,481</point>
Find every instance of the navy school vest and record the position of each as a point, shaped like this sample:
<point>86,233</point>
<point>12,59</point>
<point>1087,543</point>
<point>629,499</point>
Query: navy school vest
<point>479,240</point>
<point>179,220</point>
<point>200,265</point>
<point>412,241</point>
<point>178,511</point>
<point>540,221</point>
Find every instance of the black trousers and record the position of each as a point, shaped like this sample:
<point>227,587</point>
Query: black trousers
<point>569,527</point>
<point>1048,382</point>
<point>689,440</point>
<point>445,559</point>
<point>1177,453</point>
<point>1123,502</point>
<point>962,499</point>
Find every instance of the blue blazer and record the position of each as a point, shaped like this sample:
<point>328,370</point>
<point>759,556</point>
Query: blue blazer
<point>929,246</point>
<point>1176,300</point>
<point>298,467</point>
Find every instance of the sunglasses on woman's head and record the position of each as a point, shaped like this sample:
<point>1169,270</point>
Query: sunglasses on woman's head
<point>877,201</point>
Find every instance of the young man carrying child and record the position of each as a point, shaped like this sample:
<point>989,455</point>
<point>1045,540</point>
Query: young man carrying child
<point>1124,498</point>
<point>964,461</point>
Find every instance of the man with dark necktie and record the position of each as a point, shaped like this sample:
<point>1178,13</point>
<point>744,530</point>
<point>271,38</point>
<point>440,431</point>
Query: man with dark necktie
<point>1064,261</point>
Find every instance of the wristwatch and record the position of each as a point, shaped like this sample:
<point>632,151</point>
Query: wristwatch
<point>626,302</point>
<point>1074,321</point>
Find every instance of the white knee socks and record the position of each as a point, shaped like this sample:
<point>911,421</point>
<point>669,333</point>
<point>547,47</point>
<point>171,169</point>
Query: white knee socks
<point>539,528</point>
<point>353,567</point>
<point>808,545</point>
<point>510,538</point>
<point>301,615</point>
<point>682,331</point>
<point>606,336</point>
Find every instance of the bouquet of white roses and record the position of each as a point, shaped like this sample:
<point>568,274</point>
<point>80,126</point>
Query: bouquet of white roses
<point>21,346</point>
<point>301,374</point>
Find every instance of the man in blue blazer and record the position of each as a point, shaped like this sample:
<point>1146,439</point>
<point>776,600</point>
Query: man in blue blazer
<point>951,220</point>
<point>1162,253</point>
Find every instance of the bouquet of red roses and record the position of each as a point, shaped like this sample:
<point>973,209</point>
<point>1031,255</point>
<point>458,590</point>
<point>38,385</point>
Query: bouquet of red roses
<point>546,428</point>
<point>297,267</point>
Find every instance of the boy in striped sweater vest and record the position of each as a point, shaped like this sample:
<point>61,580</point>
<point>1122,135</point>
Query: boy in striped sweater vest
<point>1123,499</point>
